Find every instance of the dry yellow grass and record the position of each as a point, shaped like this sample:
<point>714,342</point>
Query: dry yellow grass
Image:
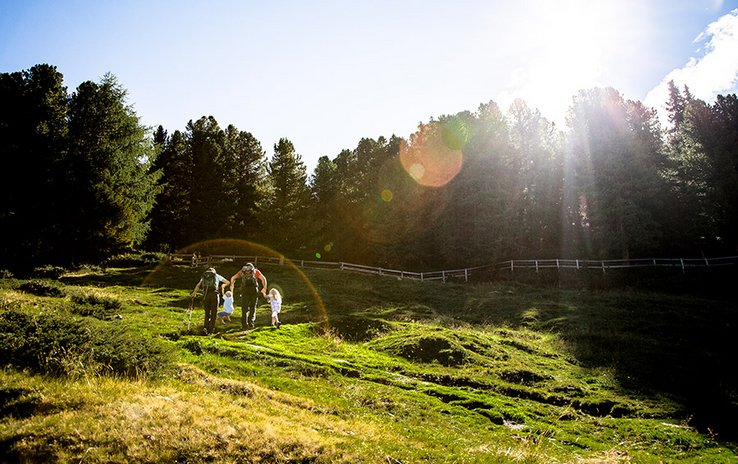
<point>197,417</point>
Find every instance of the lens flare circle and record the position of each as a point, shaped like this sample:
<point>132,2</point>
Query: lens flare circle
<point>433,156</point>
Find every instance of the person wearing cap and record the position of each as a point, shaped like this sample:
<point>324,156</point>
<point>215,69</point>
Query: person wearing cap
<point>250,278</point>
<point>209,282</point>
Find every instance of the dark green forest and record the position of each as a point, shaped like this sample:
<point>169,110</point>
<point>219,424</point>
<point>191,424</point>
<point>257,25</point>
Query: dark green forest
<point>85,179</point>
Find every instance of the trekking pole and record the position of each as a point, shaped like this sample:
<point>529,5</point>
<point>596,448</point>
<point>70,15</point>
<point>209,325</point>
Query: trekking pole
<point>188,314</point>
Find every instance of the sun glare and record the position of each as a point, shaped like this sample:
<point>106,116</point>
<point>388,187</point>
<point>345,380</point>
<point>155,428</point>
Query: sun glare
<point>571,42</point>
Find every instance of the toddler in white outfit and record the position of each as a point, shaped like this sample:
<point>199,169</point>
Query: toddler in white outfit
<point>227,308</point>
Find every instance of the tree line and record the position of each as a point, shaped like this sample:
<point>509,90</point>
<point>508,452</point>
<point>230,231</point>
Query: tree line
<point>87,180</point>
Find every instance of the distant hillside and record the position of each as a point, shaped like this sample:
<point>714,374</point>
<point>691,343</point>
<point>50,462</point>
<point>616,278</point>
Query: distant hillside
<point>100,366</point>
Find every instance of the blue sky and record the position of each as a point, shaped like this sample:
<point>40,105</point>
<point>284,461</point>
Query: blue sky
<point>326,73</point>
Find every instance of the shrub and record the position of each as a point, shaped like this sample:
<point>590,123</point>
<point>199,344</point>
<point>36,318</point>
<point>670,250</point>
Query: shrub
<point>6,274</point>
<point>134,259</point>
<point>64,345</point>
<point>88,303</point>
<point>42,288</point>
<point>49,272</point>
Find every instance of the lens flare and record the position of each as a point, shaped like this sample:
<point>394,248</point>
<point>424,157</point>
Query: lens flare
<point>398,209</point>
<point>433,156</point>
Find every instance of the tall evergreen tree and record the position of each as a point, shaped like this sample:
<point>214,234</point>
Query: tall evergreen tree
<point>287,202</point>
<point>617,158</point>
<point>170,224</point>
<point>535,225</point>
<point>33,147</point>
<point>323,214</point>
<point>208,200</point>
<point>245,177</point>
<point>479,194</point>
<point>112,188</point>
<point>704,149</point>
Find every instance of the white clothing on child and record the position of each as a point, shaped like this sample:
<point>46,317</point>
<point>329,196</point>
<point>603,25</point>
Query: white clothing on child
<point>276,306</point>
<point>227,306</point>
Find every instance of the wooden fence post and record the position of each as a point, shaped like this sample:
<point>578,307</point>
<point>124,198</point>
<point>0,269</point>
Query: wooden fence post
<point>682,261</point>
<point>466,275</point>
<point>536,266</point>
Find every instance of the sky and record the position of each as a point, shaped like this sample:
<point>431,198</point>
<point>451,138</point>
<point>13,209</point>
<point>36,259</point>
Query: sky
<point>326,73</point>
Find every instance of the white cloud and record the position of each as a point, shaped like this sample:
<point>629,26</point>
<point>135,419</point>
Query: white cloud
<point>715,72</point>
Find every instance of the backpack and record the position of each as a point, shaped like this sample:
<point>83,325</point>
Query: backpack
<point>208,280</point>
<point>249,282</point>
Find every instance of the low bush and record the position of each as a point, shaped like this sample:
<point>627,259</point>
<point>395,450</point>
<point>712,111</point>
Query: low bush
<point>134,259</point>
<point>48,272</point>
<point>42,288</point>
<point>88,303</point>
<point>63,345</point>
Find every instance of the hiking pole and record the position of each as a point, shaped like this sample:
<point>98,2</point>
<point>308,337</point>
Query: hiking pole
<point>188,314</point>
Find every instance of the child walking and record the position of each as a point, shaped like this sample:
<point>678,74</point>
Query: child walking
<point>275,300</point>
<point>227,308</point>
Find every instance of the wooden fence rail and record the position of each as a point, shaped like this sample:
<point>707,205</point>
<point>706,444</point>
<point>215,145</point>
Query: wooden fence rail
<point>195,260</point>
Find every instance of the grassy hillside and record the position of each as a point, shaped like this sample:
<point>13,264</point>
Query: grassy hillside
<point>101,367</point>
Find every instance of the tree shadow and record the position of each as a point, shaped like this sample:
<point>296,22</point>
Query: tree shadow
<point>679,345</point>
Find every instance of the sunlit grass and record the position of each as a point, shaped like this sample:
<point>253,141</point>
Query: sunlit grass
<point>399,372</point>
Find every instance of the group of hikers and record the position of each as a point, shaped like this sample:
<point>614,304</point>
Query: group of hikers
<point>249,278</point>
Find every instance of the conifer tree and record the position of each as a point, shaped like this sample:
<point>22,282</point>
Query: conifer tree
<point>33,147</point>
<point>617,159</point>
<point>112,188</point>
<point>287,201</point>
<point>244,173</point>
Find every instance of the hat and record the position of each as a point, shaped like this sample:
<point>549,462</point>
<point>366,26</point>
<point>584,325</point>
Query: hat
<point>248,267</point>
<point>210,270</point>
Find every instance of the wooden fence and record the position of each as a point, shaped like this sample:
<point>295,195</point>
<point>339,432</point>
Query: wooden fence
<point>195,260</point>
<point>604,265</point>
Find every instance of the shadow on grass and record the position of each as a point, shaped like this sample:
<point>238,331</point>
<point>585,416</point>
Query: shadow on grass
<point>679,345</point>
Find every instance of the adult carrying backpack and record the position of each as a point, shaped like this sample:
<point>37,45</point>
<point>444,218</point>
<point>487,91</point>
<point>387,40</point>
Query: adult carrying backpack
<point>247,283</point>
<point>208,280</point>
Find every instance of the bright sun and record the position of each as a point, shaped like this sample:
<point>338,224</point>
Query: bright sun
<point>573,40</point>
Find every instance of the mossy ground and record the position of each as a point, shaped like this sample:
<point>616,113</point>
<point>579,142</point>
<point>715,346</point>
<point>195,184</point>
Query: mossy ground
<point>373,369</point>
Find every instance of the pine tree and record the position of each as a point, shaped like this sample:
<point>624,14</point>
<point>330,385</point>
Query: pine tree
<point>617,159</point>
<point>244,173</point>
<point>112,188</point>
<point>208,201</point>
<point>287,201</point>
<point>33,147</point>
<point>170,214</point>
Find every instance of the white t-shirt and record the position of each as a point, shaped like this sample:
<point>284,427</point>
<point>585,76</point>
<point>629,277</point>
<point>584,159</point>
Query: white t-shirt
<point>228,304</point>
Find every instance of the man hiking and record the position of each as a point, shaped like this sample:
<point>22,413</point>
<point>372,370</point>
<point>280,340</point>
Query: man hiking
<point>250,278</point>
<point>209,283</point>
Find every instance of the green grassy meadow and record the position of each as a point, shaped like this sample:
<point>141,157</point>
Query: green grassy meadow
<point>101,366</point>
